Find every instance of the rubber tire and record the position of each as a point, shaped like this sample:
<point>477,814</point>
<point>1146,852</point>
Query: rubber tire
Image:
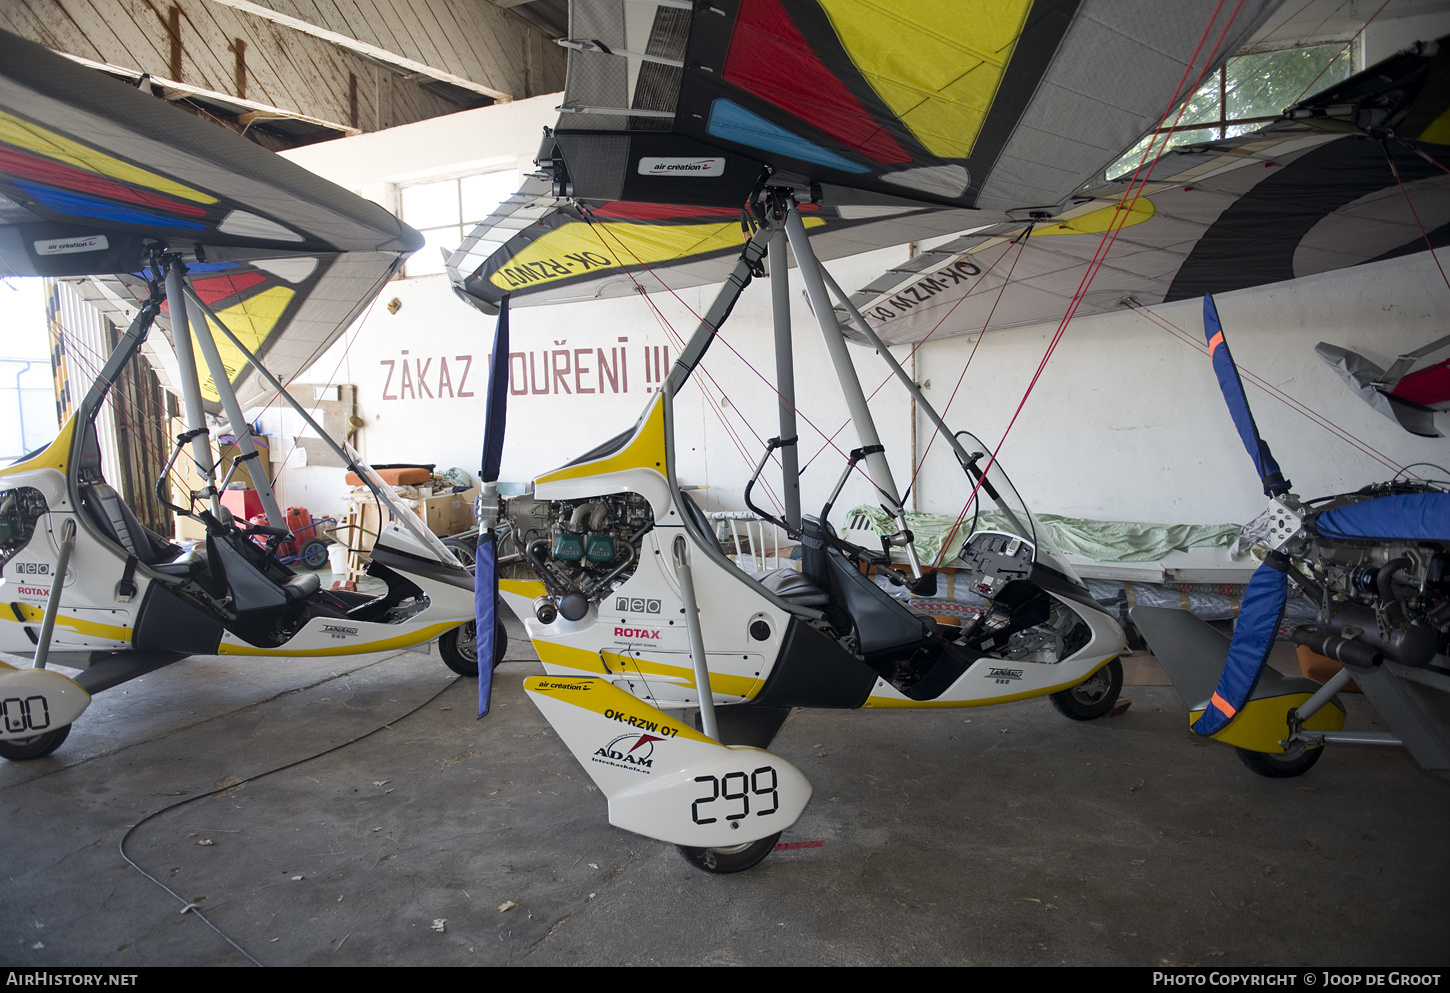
<point>1273,766</point>
<point>463,550</point>
<point>459,647</point>
<point>737,858</point>
<point>313,553</point>
<point>1094,696</point>
<point>35,747</point>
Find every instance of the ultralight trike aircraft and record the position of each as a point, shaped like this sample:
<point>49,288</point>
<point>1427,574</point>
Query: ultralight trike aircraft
<point>211,235</point>
<point>822,129</point>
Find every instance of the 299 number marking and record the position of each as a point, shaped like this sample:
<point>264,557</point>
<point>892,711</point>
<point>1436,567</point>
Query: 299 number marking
<point>737,787</point>
<point>29,714</point>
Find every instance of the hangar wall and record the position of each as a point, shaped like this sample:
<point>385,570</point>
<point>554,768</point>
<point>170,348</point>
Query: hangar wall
<point>1125,424</point>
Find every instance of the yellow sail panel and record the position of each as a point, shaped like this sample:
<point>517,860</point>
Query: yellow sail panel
<point>43,141</point>
<point>251,321</point>
<point>579,248</point>
<point>940,86</point>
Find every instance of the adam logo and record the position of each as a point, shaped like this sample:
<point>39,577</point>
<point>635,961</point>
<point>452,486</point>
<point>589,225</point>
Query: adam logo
<point>629,751</point>
<point>636,605</point>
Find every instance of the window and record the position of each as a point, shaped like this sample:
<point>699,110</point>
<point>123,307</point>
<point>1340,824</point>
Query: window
<point>1247,93</point>
<point>446,210</point>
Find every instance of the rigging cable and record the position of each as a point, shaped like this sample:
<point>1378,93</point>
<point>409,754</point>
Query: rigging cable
<point>1125,207</point>
<point>1314,417</point>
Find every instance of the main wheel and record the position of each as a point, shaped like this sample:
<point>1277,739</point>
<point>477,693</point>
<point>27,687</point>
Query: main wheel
<point>463,550</point>
<point>1094,696</point>
<point>1283,766</point>
<point>34,747</point>
<point>459,647</point>
<point>313,553</point>
<point>733,858</point>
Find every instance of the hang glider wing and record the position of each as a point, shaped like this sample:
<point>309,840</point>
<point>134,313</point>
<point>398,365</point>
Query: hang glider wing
<point>95,174</point>
<point>1409,398</point>
<point>1309,194</point>
<point>868,109</point>
<point>542,250</point>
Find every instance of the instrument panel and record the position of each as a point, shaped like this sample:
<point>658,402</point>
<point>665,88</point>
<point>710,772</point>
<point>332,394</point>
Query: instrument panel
<point>994,559</point>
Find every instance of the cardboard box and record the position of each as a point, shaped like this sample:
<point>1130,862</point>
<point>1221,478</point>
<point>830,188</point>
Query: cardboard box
<point>446,514</point>
<point>451,512</point>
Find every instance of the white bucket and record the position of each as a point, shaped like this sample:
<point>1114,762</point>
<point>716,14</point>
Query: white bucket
<point>337,558</point>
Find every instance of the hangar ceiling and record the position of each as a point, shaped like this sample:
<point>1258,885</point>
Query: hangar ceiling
<point>291,72</point>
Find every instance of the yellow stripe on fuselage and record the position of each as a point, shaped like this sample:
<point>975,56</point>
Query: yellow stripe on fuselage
<point>352,648</point>
<point>612,664</point>
<point>34,615</point>
<point>601,697</point>
<point>646,450</point>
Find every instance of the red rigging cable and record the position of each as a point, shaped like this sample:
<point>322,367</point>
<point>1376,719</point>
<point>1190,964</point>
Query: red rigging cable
<point>1310,88</point>
<point>1415,213</point>
<point>1021,243</point>
<point>830,441</point>
<point>715,404</point>
<point>1125,207</point>
<point>1303,410</point>
<point>889,377</point>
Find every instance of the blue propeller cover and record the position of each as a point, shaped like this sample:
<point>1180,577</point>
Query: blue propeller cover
<point>485,609</point>
<point>496,412</point>
<point>1238,404</point>
<point>1254,634</point>
<point>485,572</point>
<point>1402,516</point>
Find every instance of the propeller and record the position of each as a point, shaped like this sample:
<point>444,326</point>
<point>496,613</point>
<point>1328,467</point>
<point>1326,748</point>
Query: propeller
<point>1238,404</point>
<point>485,573</point>
<point>1268,590</point>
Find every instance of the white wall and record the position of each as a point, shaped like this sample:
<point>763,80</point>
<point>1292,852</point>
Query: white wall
<point>1125,423</point>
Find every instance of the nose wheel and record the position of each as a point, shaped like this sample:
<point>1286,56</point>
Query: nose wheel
<point>1094,696</point>
<point>459,647</point>
<point>733,858</point>
<point>35,747</point>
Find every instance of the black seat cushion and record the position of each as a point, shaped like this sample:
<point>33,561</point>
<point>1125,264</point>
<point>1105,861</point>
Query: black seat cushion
<point>112,516</point>
<point>794,586</point>
<point>302,586</point>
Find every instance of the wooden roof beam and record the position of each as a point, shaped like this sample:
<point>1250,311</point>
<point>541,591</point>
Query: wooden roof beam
<point>363,48</point>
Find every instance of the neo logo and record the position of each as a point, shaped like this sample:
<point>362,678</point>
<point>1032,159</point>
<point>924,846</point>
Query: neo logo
<point>636,605</point>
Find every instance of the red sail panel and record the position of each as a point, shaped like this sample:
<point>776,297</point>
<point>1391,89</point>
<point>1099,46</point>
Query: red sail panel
<point>770,58</point>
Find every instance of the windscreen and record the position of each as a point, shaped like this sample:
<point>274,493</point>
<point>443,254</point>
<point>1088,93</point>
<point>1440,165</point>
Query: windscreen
<point>997,505</point>
<point>400,510</point>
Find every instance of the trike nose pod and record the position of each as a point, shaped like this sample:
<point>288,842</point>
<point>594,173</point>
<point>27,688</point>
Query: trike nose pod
<point>664,779</point>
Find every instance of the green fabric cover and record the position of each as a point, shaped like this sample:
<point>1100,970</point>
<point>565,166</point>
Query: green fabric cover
<point>1101,541</point>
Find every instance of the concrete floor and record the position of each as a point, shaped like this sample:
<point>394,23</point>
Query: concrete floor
<point>353,812</point>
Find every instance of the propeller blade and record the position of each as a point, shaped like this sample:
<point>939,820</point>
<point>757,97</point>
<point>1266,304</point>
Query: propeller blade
<point>496,413</point>
<point>1238,404</point>
<point>485,572</point>
<point>1254,634</point>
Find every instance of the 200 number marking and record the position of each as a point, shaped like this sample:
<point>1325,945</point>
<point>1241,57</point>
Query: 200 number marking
<point>737,787</point>
<point>30,714</point>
